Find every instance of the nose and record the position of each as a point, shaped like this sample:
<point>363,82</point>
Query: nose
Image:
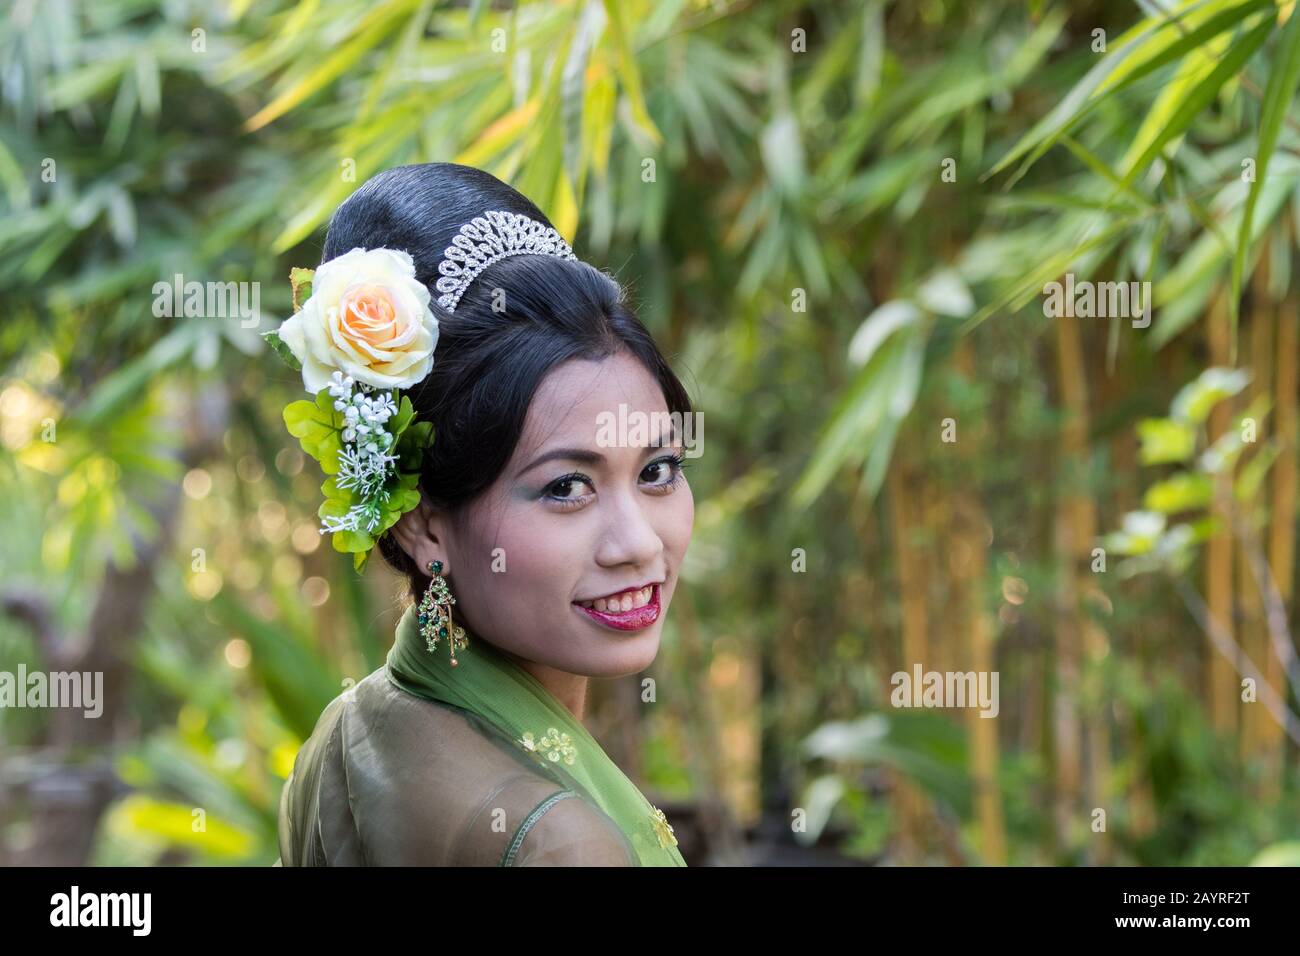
<point>628,536</point>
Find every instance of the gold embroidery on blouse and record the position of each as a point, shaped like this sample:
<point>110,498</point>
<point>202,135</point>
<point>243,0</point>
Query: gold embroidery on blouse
<point>663,829</point>
<point>553,745</point>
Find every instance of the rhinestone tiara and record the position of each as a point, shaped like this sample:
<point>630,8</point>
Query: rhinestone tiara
<point>490,238</point>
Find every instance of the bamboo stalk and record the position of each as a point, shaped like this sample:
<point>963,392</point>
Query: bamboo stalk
<point>983,731</point>
<point>1223,642</point>
<point>1080,642</point>
<point>1220,672</point>
<point>1281,537</point>
<point>971,534</point>
<point>1255,722</point>
<point>905,518</point>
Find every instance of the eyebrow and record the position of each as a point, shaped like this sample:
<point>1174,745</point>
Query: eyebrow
<point>585,455</point>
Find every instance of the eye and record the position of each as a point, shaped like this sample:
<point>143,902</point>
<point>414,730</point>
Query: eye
<point>566,490</point>
<point>664,473</point>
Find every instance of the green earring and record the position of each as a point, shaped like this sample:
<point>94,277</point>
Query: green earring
<point>435,615</point>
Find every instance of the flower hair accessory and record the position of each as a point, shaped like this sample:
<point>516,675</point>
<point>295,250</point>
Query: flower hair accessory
<point>363,332</point>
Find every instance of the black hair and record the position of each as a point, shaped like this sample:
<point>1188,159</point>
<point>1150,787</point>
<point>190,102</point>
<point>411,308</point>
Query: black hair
<point>488,363</point>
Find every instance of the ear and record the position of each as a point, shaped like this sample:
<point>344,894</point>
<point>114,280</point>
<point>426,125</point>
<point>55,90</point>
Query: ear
<point>421,533</point>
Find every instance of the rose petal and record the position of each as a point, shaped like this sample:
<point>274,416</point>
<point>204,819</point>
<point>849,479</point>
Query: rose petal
<point>315,376</point>
<point>291,334</point>
<point>385,354</point>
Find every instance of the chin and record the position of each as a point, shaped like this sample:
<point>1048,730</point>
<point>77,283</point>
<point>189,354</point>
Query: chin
<point>631,655</point>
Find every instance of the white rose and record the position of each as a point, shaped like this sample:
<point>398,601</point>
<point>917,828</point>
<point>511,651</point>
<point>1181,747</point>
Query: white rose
<point>368,317</point>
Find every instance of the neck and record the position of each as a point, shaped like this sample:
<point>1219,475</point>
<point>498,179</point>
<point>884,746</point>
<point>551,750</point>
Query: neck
<point>569,689</point>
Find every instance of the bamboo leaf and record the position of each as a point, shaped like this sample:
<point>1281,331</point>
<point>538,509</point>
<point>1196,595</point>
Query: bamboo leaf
<point>1094,162</point>
<point>629,73</point>
<point>1150,45</point>
<point>1199,97</point>
<point>1197,65</point>
<point>1184,491</point>
<point>1195,400</point>
<point>368,39</point>
<point>1277,99</point>
<point>500,135</point>
<point>863,426</point>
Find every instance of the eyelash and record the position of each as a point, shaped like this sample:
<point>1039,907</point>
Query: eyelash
<point>678,463</point>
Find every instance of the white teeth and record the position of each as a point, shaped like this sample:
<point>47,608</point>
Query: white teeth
<point>621,602</point>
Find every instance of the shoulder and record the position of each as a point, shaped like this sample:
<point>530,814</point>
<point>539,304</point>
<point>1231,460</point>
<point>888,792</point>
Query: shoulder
<point>430,784</point>
<point>391,779</point>
<point>566,829</point>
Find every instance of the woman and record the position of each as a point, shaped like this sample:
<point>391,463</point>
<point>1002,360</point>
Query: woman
<point>556,548</point>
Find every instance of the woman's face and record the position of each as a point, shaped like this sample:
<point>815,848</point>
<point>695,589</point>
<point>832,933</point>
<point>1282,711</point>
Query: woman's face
<point>571,557</point>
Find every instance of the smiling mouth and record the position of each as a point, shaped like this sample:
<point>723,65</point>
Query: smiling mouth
<point>629,610</point>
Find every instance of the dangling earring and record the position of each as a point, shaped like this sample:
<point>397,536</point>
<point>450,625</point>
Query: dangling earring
<point>435,615</point>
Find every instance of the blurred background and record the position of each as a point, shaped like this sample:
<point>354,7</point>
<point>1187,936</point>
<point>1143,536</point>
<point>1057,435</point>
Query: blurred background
<point>841,221</point>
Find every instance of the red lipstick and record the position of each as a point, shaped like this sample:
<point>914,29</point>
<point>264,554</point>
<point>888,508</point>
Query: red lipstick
<point>633,620</point>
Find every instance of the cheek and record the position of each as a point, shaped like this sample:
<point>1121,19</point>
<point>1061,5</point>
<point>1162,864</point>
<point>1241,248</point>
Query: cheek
<point>538,559</point>
<point>679,523</point>
<point>525,570</point>
<point>675,528</point>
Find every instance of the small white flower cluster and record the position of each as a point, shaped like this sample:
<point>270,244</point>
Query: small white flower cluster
<point>364,463</point>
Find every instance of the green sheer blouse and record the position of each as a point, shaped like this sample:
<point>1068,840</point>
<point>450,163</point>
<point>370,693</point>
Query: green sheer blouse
<point>478,765</point>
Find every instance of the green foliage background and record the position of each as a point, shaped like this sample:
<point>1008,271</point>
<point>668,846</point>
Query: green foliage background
<point>818,208</point>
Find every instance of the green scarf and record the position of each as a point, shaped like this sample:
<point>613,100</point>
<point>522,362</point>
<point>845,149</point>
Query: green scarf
<point>492,686</point>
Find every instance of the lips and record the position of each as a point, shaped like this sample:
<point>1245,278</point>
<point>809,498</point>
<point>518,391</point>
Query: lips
<point>629,610</point>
